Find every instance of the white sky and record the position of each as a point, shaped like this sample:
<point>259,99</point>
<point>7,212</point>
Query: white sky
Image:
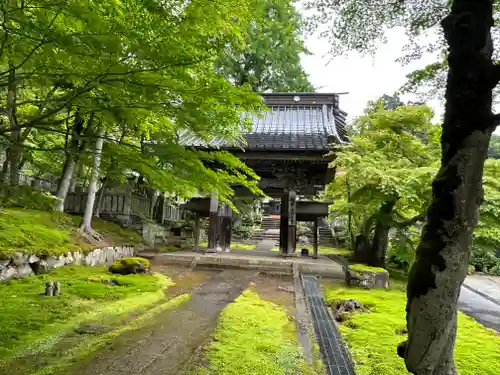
<point>364,77</point>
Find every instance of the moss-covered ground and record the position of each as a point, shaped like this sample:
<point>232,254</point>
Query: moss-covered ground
<point>235,246</point>
<point>322,250</point>
<point>255,337</point>
<point>373,336</point>
<point>54,233</point>
<point>33,323</point>
<point>362,267</point>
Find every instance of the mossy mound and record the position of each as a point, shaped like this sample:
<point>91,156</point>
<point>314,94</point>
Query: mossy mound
<point>365,268</point>
<point>127,266</point>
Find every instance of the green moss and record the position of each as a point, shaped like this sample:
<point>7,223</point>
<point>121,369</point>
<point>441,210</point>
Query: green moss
<point>255,337</point>
<point>26,197</point>
<point>362,267</point>
<point>52,233</point>
<point>322,250</point>
<point>130,265</point>
<point>375,337</point>
<point>93,343</point>
<point>29,319</point>
<point>234,246</point>
<point>242,246</point>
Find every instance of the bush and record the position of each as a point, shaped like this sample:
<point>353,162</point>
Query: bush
<point>126,266</point>
<point>243,231</point>
<point>26,197</point>
<point>484,259</point>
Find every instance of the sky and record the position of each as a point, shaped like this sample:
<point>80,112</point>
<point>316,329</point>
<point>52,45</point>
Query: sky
<point>365,78</point>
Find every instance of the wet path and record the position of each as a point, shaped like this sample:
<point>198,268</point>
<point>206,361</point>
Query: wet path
<point>166,345</point>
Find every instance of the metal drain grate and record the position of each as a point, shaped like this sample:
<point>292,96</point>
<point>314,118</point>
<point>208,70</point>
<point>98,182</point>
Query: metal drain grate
<point>332,347</point>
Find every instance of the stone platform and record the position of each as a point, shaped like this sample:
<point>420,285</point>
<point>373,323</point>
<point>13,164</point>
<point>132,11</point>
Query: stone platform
<point>272,262</point>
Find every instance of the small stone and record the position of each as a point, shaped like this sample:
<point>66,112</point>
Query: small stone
<point>33,259</point>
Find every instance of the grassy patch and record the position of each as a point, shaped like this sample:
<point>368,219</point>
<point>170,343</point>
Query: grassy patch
<point>373,338</point>
<point>255,337</point>
<point>32,322</point>
<point>322,250</point>
<point>362,267</point>
<point>92,343</point>
<point>235,246</point>
<point>54,233</point>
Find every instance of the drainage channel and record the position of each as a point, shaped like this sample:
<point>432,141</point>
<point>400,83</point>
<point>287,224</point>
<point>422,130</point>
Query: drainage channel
<point>332,347</point>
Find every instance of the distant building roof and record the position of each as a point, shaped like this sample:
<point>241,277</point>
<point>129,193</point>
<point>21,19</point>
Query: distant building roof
<point>294,121</point>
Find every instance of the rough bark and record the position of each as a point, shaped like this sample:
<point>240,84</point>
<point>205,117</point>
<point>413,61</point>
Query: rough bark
<point>442,256</point>
<point>86,226</point>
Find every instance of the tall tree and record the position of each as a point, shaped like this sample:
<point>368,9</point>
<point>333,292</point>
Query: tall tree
<point>389,165</point>
<point>61,62</point>
<point>270,58</point>
<point>442,256</point>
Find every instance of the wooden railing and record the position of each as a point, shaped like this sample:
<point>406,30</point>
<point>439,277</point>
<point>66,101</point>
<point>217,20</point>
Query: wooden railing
<point>123,204</point>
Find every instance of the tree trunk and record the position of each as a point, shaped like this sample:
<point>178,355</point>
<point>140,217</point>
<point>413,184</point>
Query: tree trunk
<point>381,235</point>
<point>74,179</point>
<point>86,226</point>
<point>102,192</point>
<point>67,175</point>
<point>442,256</point>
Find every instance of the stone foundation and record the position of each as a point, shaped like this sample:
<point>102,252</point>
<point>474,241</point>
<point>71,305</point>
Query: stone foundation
<point>368,279</point>
<point>21,265</point>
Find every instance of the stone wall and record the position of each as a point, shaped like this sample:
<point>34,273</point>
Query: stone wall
<point>21,265</point>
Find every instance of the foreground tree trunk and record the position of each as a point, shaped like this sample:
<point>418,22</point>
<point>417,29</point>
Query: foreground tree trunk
<point>442,256</point>
<point>86,226</point>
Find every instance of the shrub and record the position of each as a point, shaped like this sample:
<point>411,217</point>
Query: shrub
<point>126,266</point>
<point>26,197</point>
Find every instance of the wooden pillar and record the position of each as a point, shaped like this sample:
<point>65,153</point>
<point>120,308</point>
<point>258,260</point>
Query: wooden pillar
<point>292,221</point>
<point>284,224</point>
<point>213,224</point>
<point>315,238</point>
<point>196,232</point>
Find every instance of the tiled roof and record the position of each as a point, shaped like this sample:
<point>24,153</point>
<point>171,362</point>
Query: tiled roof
<point>311,126</point>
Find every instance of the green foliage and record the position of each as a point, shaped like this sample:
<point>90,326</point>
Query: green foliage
<point>52,233</point>
<point>26,197</point>
<point>132,265</point>
<point>394,157</point>
<point>270,58</point>
<point>373,337</point>
<point>27,316</point>
<point>254,337</point>
<point>107,71</point>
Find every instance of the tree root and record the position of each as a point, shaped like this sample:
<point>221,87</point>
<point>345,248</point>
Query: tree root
<point>89,234</point>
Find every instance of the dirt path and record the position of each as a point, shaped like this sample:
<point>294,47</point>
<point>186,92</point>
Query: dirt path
<point>165,345</point>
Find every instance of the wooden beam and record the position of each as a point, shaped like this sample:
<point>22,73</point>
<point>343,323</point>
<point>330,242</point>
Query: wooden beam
<point>292,221</point>
<point>315,238</point>
<point>284,224</point>
<point>283,156</point>
<point>197,232</point>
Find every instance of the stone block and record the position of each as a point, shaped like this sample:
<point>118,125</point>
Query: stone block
<point>23,271</point>
<point>18,259</point>
<point>4,263</point>
<point>370,279</point>
<point>8,273</point>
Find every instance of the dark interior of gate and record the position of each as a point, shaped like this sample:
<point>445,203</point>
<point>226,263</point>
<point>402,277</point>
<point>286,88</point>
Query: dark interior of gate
<point>290,147</point>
